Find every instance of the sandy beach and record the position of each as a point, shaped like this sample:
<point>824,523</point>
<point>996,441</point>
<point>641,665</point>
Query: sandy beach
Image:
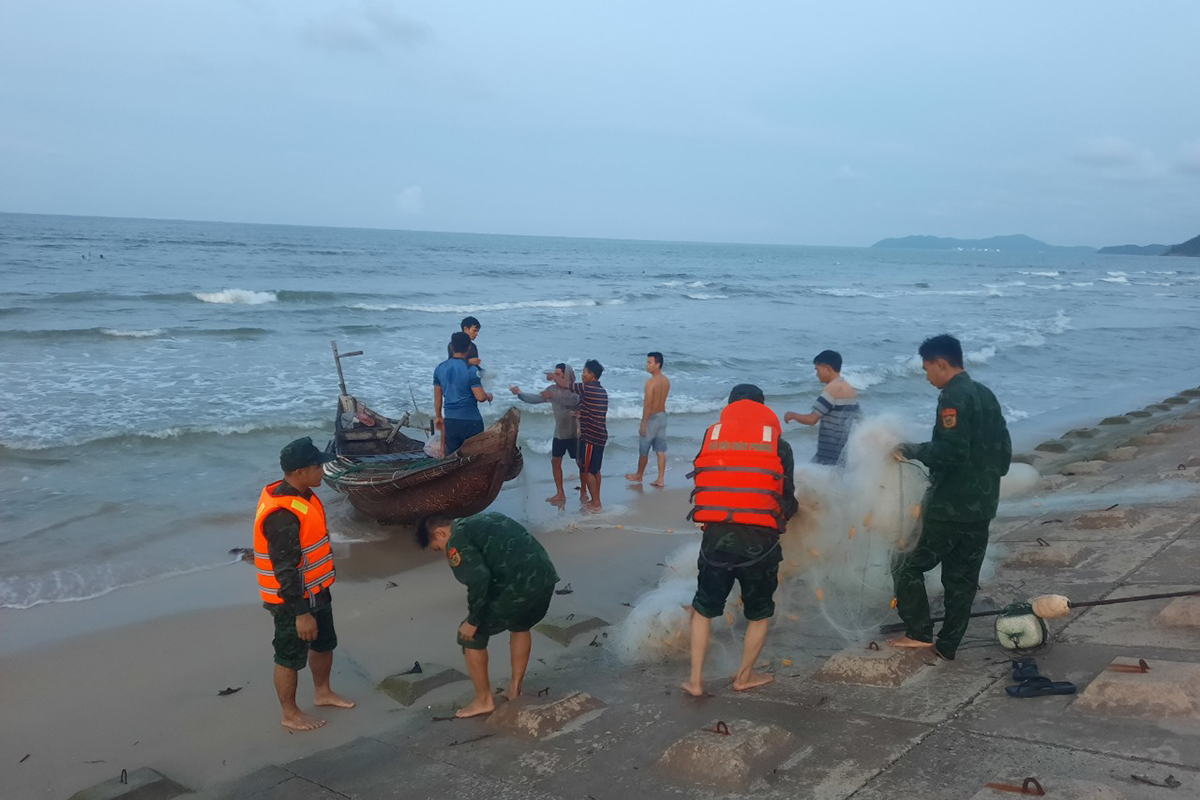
<point>132,678</point>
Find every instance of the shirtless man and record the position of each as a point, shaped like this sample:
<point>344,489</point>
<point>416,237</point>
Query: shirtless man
<point>836,409</point>
<point>653,431</point>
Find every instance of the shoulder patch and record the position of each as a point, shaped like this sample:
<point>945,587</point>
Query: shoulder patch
<point>453,556</point>
<point>949,417</point>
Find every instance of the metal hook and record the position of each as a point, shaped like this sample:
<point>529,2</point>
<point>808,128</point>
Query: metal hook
<point>873,646</point>
<point>721,728</point>
<point>1036,790</point>
<point>125,776</point>
<point>1042,542</point>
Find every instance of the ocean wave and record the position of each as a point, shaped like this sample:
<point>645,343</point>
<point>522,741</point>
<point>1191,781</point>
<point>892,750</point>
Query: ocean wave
<point>175,432</point>
<point>1083,283</point>
<point>237,297</point>
<point>1046,274</point>
<point>477,309</point>
<point>132,334</point>
<point>1116,279</point>
<point>699,296</point>
<point>84,582</point>
<point>101,334</point>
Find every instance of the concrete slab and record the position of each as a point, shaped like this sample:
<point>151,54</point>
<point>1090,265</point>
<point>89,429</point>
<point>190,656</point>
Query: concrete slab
<point>533,718</point>
<point>1085,467</point>
<point>952,764</point>
<point>1120,517</point>
<point>1125,453</point>
<point>564,629</point>
<point>1139,414</point>
<point>251,785</point>
<point>1053,787</point>
<point>728,755</point>
<point>406,688</point>
<point>140,784</point>
<point>1158,407</point>
<point>1177,400</point>
<point>1190,393</point>
<point>1082,433</point>
<point>292,789</point>
<point>1182,612</point>
<point>887,666</point>
<point>1054,556</point>
<point>1119,420</point>
<point>1166,689</point>
<point>1170,428</point>
<point>1057,445</point>
<point>1176,564</point>
<point>368,769</point>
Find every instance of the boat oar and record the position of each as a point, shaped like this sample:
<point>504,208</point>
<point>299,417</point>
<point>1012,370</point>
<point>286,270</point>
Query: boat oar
<point>1056,608</point>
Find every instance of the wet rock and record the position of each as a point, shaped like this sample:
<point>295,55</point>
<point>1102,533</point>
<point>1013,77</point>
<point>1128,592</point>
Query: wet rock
<point>533,718</point>
<point>564,629</point>
<point>142,784</point>
<point>408,687</point>
<point>750,751</point>
<point>1121,453</point>
<point>1085,468</point>
<point>1167,689</point>
<point>887,666</point>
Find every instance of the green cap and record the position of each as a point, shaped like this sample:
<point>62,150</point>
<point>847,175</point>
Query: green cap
<point>302,453</point>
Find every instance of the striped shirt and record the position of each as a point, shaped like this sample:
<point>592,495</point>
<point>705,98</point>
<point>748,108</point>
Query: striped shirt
<point>593,413</point>
<point>838,416</point>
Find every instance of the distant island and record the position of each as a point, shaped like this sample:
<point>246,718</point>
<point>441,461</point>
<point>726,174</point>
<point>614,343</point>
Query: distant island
<point>1189,248</point>
<point>1016,243</point>
<point>1135,250</point>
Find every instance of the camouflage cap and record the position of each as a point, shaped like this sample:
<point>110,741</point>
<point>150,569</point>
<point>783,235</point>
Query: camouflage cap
<point>302,453</point>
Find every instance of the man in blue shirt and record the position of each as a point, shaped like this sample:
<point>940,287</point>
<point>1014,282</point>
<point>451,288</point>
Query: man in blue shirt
<point>457,393</point>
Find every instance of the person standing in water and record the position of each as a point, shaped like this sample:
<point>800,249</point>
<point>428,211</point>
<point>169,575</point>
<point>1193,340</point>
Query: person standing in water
<point>652,434</point>
<point>835,411</point>
<point>566,424</point>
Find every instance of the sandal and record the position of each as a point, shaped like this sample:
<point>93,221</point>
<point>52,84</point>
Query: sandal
<point>1024,669</point>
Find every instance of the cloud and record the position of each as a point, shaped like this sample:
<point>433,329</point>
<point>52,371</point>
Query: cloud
<point>1189,158</point>
<point>1118,159</point>
<point>410,201</point>
<point>365,27</point>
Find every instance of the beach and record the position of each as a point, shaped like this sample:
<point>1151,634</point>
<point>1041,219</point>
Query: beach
<point>85,698</point>
<point>148,395</point>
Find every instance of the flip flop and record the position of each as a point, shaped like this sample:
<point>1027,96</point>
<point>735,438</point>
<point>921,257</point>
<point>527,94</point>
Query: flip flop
<point>1024,669</point>
<point>1040,687</point>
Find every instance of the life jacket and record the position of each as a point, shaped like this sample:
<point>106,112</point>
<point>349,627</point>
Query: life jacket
<point>739,475</point>
<point>316,554</point>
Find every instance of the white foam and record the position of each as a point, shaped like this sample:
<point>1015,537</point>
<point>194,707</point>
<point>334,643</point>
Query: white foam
<point>980,356</point>
<point>133,334</point>
<point>699,296</point>
<point>458,309</point>
<point>1047,274</point>
<point>236,296</point>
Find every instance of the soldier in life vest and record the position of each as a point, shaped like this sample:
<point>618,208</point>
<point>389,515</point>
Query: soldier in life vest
<point>744,496</point>
<point>294,561</point>
<point>969,452</point>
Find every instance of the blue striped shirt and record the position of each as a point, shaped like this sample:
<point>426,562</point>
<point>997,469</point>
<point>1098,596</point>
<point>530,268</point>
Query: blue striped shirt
<point>838,416</point>
<point>593,412</point>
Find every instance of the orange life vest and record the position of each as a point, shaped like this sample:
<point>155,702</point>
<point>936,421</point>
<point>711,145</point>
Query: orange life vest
<point>316,554</point>
<point>739,475</point>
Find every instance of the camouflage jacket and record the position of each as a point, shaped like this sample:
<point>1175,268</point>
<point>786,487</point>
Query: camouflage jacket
<point>969,452</point>
<point>500,563</point>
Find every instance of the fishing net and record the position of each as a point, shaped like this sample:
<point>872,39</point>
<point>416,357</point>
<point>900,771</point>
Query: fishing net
<point>1018,628</point>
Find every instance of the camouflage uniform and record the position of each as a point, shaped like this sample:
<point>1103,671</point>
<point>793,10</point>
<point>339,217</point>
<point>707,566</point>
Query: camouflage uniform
<point>749,554</point>
<point>509,577</point>
<point>969,452</point>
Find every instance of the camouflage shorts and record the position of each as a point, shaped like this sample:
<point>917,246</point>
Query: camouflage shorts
<point>290,650</point>
<point>758,582</point>
<point>517,620</point>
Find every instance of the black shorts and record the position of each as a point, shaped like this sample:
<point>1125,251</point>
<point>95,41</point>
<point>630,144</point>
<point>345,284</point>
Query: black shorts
<point>591,457</point>
<point>758,582</point>
<point>290,650</point>
<point>561,447</point>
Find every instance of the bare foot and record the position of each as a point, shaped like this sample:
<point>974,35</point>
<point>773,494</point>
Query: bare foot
<point>752,680</point>
<point>299,721</point>
<point>695,689</point>
<point>557,499</point>
<point>658,484</point>
<point>332,698</point>
<point>514,691</point>
<point>904,641</point>
<point>593,507</point>
<point>633,477</point>
<point>478,707</point>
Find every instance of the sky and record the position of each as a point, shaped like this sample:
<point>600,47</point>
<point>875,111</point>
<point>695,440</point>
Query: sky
<point>835,123</point>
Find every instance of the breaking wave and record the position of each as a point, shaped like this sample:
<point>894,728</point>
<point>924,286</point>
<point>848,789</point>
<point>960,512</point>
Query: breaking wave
<point>176,432</point>
<point>237,296</point>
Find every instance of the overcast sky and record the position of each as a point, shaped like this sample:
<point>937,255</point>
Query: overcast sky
<point>792,122</point>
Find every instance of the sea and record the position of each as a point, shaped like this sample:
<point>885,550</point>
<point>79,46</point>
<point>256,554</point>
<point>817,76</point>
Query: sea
<point>150,370</point>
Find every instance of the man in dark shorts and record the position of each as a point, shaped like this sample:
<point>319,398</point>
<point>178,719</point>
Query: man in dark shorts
<point>566,424</point>
<point>510,582</point>
<point>593,429</point>
<point>745,493</point>
<point>294,562</point>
